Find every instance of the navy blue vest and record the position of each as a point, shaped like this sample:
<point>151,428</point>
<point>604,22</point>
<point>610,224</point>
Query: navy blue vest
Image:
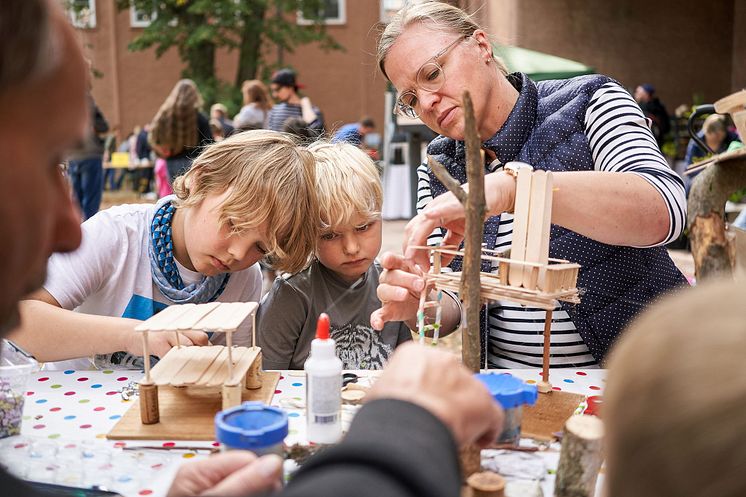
<point>546,129</point>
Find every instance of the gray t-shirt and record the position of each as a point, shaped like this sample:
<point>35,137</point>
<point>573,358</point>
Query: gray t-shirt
<point>286,321</point>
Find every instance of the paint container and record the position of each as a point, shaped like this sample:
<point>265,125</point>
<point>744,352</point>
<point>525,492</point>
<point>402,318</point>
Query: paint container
<point>595,402</point>
<point>511,393</point>
<point>16,368</point>
<point>252,426</point>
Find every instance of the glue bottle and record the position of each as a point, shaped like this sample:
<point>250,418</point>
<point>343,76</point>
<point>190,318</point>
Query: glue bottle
<point>323,388</point>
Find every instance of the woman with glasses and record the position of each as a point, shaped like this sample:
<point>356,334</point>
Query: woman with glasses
<point>616,201</point>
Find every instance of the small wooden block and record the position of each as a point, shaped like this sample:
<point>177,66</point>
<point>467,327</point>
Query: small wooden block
<point>231,395</point>
<point>544,387</point>
<point>486,484</point>
<point>149,413</point>
<point>254,376</point>
<point>353,396</point>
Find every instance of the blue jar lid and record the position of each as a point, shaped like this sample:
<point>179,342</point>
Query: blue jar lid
<point>252,425</point>
<point>508,390</point>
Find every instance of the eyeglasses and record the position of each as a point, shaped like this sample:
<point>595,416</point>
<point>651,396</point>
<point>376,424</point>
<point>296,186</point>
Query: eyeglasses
<point>430,77</point>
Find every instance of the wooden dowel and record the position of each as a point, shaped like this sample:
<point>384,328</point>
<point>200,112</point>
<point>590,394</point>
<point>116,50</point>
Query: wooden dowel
<point>547,348</point>
<point>146,356</point>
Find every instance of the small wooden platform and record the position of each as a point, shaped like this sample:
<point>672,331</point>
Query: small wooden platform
<point>186,414</point>
<point>549,414</point>
<point>203,366</point>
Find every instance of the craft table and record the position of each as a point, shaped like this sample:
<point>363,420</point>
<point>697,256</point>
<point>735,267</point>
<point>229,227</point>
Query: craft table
<point>84,405</point>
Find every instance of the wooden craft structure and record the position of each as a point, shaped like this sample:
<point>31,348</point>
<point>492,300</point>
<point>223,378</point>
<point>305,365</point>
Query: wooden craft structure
<point>227,368</point>
<point>529,276</point>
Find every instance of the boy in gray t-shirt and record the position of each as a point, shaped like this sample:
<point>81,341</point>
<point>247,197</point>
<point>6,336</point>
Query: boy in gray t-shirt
<point>342,279</point>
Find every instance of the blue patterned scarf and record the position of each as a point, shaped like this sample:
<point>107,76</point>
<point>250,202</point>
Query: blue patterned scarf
<point>163,265</point>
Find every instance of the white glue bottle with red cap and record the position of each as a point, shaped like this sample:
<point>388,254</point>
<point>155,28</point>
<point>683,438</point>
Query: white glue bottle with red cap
<point>323,388</point>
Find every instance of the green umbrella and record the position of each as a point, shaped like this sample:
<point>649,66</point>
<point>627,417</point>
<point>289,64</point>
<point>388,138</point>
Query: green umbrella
<point>540,66</point>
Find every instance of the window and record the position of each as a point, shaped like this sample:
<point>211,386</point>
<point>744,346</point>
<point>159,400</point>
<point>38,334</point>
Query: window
<point>389,8</point>
<point>141,18</point>
<point>328,12</point>
<point>82,13</point>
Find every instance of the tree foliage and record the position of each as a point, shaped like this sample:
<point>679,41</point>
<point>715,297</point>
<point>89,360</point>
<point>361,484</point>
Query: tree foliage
<point>197,28</point>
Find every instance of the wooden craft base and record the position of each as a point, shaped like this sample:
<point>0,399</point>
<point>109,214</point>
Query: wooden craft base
<point>185,416</point>
<point>549,414</point>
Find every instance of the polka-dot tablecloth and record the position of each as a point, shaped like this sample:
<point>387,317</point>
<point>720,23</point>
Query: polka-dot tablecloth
<point>66,408</point>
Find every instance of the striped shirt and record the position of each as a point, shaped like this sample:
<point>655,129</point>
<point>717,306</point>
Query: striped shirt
<point>283,111</point>
<point>620,140</point>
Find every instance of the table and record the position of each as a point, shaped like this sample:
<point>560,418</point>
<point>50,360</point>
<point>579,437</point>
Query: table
<point>82,406</point>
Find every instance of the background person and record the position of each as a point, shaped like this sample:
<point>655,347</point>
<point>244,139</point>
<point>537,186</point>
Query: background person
<point>654,110</point>
<point>284,88</point>
<point>256,105</point>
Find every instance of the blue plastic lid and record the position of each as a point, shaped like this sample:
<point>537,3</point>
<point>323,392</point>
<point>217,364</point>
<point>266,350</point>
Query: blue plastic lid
<point>508,390</point>
<point>252,425</point>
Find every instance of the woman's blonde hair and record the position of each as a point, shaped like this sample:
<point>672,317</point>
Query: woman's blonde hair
<point>254,91</point>
<point>175,125</point>
<point>442,15</point>
<point>714,124</point>
<point>675,400</point>
<point>271,181</point>
<point>348,184</point>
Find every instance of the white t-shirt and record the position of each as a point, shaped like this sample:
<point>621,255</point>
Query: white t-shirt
<point>110,275</point>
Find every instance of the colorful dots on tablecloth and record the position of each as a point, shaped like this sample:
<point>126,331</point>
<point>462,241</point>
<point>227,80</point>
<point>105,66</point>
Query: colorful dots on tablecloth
<point>54,436</point>
<point>120,444</point>
<point>216,444</point>
<point>107,371</point>
<point>111,393</point>
<point>145,492</point>
<point>70,416</point>
<point>96,385</point>
<point>41,401</point>
<point>39,427</point>
<point>20,446</point>
<point>531,382</point>
<point>556,388</point>
<point>43,378</point>
<point>116,416</point>
<point>282,377</point>
<point>293,415</point>
<point>594,387</point>
<point>85,426</point>
<point>69,393</point>
<point>297,398</point>
<point>278,392</point>
<point>568,380</point>
<point>581,373</point>
<point>169,444</point>
<point>124,479</point>
<point>55,386</point>
<point>83,379</point>
<point>29,393</point>
<point>189,455</point>
<point>122,378</point>
<point>84,401</point>
<point>99,408</point>
<point>55,409</point>
<point>297,384</point>
<point>69,371</point>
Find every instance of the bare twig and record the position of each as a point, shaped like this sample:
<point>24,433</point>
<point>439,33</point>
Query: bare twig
<point>442,174</point>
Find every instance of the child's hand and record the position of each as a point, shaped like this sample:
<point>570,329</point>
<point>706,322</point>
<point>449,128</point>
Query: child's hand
<point>399,288</point>
<point>161,342</point>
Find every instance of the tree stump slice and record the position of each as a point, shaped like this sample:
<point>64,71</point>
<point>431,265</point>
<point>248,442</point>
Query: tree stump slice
<point>580,458</point>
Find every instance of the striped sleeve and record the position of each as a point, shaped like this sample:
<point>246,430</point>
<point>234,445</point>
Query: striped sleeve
<point>621,141</point>
<point>424,196</point>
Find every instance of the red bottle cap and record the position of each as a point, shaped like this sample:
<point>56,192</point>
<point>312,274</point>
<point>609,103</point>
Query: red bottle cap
<point>322,326</point>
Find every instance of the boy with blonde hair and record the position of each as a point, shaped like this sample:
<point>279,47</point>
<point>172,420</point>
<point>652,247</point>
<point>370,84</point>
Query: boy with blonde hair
<point>343,276</point>
<point>199,245</point>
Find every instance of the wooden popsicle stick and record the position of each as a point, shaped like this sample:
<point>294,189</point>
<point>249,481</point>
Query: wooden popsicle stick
<point>160,321</point>
<point>520,224</point>
<point>193,315</point>
<point>228,316</point>
<point>199,361</point>
<point>535,235</point>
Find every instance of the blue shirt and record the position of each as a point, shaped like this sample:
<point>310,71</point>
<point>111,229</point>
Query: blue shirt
<point>349,133</point>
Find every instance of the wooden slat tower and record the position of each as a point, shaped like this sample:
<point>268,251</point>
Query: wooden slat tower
<point>527,277</point>
<point>227,368</point>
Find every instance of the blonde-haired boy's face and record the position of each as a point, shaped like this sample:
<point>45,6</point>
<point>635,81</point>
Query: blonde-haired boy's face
<point>210,246</point>
<point>349,251</point>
